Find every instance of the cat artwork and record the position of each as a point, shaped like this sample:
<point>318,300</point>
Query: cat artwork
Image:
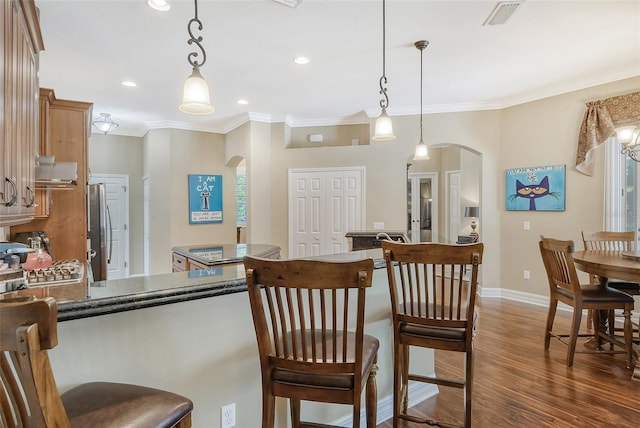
<point>533,192</point>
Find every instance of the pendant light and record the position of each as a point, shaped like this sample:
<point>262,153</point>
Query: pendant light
<point>195,98</point>
<point>422,152</point>
<point>384,127</point>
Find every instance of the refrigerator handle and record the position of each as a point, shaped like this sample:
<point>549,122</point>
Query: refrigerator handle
<point>110,235</point>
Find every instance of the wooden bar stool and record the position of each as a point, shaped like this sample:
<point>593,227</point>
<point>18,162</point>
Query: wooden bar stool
<point>29,396</point>
<point>433,298</point>
<point>309,321</point>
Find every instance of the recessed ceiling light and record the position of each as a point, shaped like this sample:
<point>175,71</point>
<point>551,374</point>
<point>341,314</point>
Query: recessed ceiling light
<point>161,5</point>
<point>243,101</point>
<point>301,60</point>
<point>129,83</point>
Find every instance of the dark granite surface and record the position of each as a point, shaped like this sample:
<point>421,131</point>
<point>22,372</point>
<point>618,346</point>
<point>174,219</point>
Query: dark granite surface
<point>211,255</point>
<point>108,297</point>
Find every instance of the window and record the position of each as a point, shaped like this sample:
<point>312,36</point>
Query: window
<point>621,189</point>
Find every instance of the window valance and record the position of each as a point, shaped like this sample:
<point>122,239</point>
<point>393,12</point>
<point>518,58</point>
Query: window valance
<point>600,121</point>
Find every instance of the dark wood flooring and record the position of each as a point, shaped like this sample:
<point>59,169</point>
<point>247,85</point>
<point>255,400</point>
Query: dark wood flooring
<point>519,384</point>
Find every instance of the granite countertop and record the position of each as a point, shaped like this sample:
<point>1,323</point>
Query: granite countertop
<point>212,255</point>
<point>112,296</point>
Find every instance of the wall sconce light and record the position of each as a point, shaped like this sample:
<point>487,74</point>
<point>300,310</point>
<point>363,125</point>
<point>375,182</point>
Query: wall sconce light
<point>195,96</point>
<point>473,213</point>
<point>104,123</point>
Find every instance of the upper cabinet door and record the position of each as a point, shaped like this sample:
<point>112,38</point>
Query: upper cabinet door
<point>21,41</point>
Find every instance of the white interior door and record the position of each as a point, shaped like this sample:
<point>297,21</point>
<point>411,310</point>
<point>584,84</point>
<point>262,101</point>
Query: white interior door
<point>117,201</point>
<point>453,206</point>
<point>324,204</point>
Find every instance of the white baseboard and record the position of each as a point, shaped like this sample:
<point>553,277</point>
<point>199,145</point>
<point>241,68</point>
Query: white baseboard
<point>519,296</point>
<point>418,392</point>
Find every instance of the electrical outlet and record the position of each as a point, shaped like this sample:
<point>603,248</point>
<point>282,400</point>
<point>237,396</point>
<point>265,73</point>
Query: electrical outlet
<point>228,416</point>
<point>527,274</point>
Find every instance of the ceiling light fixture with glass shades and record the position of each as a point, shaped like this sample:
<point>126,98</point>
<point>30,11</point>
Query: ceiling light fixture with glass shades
<point>195,98</point>
<point>628,136</point>
<point>104,123</point>
<point>384,127</point>
<point>422,152</point>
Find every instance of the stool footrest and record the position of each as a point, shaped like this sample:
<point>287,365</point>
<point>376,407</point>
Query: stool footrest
<point>438,381</point>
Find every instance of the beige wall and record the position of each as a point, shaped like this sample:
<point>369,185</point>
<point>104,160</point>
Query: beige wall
<point>545,132</point>
<point>117,154</point>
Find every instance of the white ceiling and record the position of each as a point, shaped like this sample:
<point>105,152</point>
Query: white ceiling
<point>546,48</point>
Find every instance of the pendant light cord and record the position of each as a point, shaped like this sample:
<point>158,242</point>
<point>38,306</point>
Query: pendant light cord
<point>384,103</point>
<point>421,52</point>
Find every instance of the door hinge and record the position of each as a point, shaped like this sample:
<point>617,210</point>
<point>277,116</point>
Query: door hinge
<point>125,264</point>
<point>125,227</point>
<point>124,189</point>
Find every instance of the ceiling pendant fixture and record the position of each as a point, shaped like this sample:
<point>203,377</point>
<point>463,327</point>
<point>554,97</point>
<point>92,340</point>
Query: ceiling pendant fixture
<point>422,152</point>
<point>384,127</point>
<point>195,98</point>
<point>104,123</point>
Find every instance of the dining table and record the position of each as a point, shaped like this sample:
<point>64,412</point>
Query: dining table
<point>622,265</point>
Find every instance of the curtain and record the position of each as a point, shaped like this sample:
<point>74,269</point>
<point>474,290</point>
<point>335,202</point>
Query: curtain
<point>600,121</point>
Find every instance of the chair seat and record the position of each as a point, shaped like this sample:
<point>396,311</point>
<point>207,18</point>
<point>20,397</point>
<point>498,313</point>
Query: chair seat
<point>597,294</point>
<point>433,332</point>
<point>624,286</point>
<point>117,405</point>
<point>325,380</point>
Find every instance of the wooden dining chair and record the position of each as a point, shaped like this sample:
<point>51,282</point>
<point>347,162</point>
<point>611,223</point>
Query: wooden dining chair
<point>612,241</point>
<point>433,295</point>
<point>29,396</point>
<point>309,322</point>
<point>564,286</point>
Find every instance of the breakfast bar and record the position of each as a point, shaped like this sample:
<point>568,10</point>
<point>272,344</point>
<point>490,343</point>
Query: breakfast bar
<point>197,326</point>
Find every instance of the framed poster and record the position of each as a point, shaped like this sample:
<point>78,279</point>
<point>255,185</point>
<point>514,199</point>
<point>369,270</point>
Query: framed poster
<point>536,188</point>
<point>205,199</point>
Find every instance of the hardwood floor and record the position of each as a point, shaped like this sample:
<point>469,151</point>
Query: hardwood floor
<point>519,384</point>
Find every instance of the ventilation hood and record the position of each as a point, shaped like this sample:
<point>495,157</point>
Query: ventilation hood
<point>55,175</point>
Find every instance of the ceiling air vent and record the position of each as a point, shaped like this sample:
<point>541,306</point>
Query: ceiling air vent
<point>502,12</point>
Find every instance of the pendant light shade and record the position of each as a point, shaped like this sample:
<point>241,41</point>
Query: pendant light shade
<point>422,151</point>
<point>195,97</point>
<point>384,127</point>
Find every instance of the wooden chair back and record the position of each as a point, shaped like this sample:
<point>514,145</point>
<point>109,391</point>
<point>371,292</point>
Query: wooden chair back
<point>557,256</point>
<point>29,396</point>
<point>433,285</point>
<point>301,310</point>
<point>608,241</point>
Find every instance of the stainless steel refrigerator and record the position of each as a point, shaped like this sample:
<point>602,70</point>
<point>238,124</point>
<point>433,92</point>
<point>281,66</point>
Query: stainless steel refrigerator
<point>100,233</point>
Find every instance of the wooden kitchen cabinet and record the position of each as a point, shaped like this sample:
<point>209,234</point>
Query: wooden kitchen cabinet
<point>21,41</point>
<point>69,127</point>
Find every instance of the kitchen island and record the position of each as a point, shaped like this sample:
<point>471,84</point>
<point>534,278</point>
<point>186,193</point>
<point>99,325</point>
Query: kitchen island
<point>198,257</point>
<point>193,334</point>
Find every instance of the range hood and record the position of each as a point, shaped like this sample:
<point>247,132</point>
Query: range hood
<point>55,175</point>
